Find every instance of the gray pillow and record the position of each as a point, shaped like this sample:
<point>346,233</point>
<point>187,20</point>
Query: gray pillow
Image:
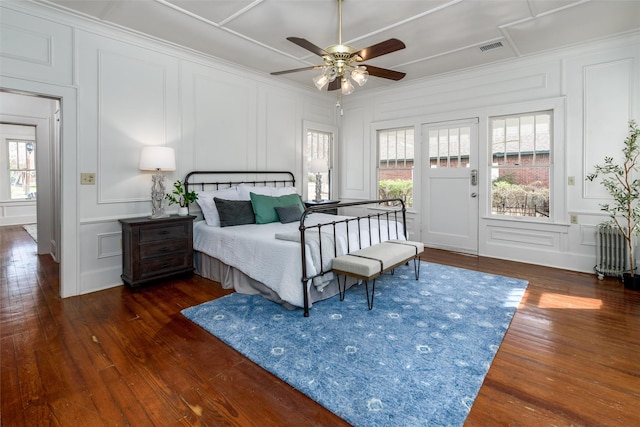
<point>289,213</point>
<point>234,212</point>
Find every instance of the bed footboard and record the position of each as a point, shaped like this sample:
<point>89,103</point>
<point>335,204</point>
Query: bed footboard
<point>346,235</point>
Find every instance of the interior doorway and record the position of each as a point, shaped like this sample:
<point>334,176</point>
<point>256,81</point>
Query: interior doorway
<point>35,160</point>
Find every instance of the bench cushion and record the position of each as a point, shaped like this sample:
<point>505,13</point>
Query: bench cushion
<point>364,263</point>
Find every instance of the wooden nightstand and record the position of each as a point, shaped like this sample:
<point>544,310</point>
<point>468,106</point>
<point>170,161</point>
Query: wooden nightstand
<point>324,203</point>
<point>156,249</point>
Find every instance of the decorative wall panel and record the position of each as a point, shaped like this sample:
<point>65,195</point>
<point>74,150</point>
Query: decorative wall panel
<point>28,44</point>
<point>132,113</point>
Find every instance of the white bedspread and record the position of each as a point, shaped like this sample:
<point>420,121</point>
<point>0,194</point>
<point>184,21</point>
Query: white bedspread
<point>254,250</point>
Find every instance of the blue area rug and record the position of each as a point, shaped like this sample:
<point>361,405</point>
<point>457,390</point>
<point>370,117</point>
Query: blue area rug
<point>418,358</point>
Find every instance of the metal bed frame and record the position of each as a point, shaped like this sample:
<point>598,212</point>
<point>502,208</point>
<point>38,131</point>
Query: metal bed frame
<point>391,210</point>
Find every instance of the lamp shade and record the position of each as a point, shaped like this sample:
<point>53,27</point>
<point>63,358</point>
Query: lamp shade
<point>318,166</point>
<point>156,157</point>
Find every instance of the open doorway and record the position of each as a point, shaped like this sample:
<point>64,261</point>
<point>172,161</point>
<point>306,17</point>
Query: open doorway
<point>29,139</point>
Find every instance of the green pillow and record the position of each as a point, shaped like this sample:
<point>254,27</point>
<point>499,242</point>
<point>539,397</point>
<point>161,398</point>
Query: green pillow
<point>264,207</point>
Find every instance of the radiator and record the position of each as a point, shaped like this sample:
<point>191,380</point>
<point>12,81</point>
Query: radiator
<point>612,251</point>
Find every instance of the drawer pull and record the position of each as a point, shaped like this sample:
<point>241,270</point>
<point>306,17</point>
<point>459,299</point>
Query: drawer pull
<point>164,232</point>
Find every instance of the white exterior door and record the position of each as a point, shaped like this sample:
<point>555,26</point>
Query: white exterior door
<point>450,185</point>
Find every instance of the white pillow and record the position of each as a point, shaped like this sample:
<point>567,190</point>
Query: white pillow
<point>244,191</point>
<point>283,191</point>
<point>208,206</point>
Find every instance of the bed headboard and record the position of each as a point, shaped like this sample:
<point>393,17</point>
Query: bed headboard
<point>219,180</point>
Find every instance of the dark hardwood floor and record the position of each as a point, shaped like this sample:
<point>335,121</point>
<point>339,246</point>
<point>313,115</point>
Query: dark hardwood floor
<point>570,358</point>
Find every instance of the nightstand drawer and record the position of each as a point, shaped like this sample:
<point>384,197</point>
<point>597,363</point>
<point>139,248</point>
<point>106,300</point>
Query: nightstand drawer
<point>151,250</point>
<point>161,265</point>
<point>163,233</point>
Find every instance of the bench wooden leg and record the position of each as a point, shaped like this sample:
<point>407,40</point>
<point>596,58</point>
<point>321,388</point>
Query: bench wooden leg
<point>373,290</point>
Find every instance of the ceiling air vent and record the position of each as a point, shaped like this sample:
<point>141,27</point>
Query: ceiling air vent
<point>491,46</point>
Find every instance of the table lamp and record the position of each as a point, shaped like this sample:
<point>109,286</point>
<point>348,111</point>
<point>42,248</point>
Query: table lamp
<point>157,158</point>
<point>318,167</point>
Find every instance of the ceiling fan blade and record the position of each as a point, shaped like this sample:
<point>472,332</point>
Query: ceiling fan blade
<point>335,85</point>
<point>295,70</point>
<point>384,73</point>
<point>379,49</point>
<point>304,43</point>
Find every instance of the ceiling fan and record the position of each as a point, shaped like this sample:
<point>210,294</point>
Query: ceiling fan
<point>342,62</point>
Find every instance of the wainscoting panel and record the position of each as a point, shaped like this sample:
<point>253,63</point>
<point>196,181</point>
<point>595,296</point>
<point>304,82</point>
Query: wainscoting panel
<point>28,47</point>
<point>134,106</point>
<point>608,87</point>
<point>355,155</point>
<point>223,124</point>
<point>282,145</point>
<point>522,237</point>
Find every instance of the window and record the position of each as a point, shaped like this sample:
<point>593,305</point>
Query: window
<point>395,164</point>
<point>319,164</point>
<point>22,169</point>
<point>521,164</point>
<point>450,147</point>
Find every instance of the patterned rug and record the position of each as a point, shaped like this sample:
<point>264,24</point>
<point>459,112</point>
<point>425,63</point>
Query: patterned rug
<point>32,229</point>
<point>418,358</point>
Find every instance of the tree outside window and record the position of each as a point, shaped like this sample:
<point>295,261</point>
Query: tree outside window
<point>22,169</point>
<point>521,164</point>
<point>395,164</point>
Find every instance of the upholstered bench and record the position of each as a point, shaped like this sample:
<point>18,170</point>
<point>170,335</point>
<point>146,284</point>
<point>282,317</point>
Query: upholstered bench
<point>371,262</point>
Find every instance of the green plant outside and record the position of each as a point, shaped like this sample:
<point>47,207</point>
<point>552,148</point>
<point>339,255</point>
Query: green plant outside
<point>397,189</point>
<point>509,197</point>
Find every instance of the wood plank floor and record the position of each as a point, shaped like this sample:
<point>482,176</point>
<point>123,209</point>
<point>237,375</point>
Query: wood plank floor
<point>570,358</point>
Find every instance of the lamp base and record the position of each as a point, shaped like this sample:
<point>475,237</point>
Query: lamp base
<point>158,216</point>
<point>157,197</point>
<point>318,188</point>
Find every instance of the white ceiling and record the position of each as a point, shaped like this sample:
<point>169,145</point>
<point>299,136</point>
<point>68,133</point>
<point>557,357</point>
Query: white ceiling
<point>441,35</point>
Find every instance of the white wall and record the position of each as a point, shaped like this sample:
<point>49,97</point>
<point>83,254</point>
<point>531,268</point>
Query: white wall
<point>594,88</point>
<point>132,92</point>
<point>121,92</point>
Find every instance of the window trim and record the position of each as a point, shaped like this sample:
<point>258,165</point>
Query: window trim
<point>412,169</point>
<point>333,181</point>
<point>557,190</point>
<point>33,169</point>
<point>374,127</point>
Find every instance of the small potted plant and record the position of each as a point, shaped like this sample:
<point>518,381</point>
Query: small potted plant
<point>181,197</point>
<point>622,181</point>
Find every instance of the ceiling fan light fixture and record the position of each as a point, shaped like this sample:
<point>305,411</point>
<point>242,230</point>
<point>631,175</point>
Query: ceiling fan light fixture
<point>346,86</point>
<point>360,75</point>
<point>321,81</point>
<point>331,73</point>
<point>341,61</point>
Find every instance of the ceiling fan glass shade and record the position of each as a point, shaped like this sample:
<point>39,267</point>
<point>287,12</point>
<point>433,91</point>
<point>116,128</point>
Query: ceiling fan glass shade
<point>360,76</point>
<point>320,81</point>
<point>347,87</point>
